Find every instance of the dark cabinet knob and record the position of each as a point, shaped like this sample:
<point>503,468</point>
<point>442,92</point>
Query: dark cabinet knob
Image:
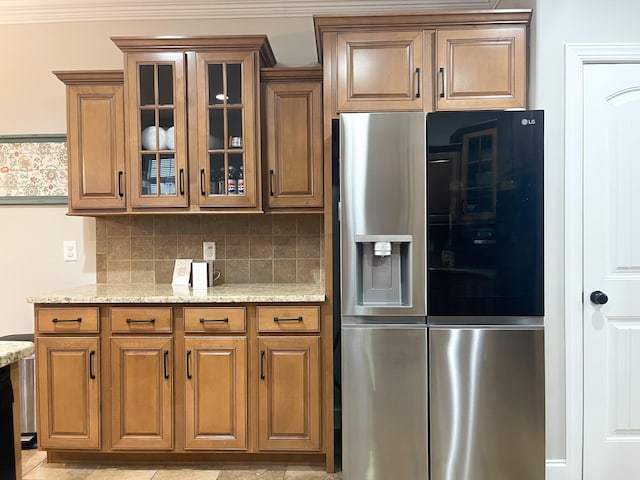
<point>598,297</point>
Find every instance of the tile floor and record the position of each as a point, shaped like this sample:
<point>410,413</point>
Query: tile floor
<point>35,467</point>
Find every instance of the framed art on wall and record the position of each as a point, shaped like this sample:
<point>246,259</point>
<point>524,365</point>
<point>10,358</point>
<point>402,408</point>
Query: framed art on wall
<point>33,169</point>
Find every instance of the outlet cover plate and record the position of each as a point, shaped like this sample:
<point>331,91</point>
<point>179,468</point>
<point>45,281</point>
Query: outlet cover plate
<point>209,250</point>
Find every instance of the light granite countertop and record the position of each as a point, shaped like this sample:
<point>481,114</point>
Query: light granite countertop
<point>11,351</point>
<point>165,293</point>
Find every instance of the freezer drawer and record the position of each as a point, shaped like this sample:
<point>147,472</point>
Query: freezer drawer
<point>487,403</point>
<point>384,402</point>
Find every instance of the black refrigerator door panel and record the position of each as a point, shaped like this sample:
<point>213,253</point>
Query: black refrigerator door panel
<point>485,213</point>
<point>486,391</point>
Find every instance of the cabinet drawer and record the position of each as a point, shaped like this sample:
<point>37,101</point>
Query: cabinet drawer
<point>214,319</point>
<point>67,320</point>
<point>288,319</point>
<point>139,319</point>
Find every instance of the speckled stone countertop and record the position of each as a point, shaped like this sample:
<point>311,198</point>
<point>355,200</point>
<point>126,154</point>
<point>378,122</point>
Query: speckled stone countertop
<point>13,351</point>
<point>164,293</point>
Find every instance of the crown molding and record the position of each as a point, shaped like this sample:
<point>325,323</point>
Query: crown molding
<point>52,11</point>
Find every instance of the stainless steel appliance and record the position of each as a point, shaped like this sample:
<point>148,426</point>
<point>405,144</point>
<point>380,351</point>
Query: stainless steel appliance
<point>441,271</point>
<point>485,295</point>
<point>383,332</point>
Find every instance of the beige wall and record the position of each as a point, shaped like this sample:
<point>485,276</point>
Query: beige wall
<point>32,261</point>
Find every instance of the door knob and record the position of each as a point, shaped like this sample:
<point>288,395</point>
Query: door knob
<point>598,298</point>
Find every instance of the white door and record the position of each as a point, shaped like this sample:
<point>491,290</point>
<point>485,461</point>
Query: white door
<point>612,265</point>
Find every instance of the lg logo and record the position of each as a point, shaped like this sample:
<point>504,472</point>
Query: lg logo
<point>526,122</point>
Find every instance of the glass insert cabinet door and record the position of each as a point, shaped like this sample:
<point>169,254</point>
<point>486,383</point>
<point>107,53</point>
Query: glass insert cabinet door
<point>226,134</point>
<point>157,130</point>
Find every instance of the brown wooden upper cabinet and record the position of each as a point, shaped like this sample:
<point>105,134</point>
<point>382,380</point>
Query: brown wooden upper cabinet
<point>481,68</point>
<point>381,70</point>
<point>432,61</point>
<point>95,139</point>
<point>292,137</point>
<point>192,120</point>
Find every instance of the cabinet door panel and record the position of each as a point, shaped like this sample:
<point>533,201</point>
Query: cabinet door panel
<point>293,112</point>
<point>380,71</point>
<point>157,128</point>
<point>96,146</point>
<point>289,393</point>
<point>68,393</point>
<point>141,382</point>
<point>227,140</point>
<point>216,393</point>
<point>481,68</point>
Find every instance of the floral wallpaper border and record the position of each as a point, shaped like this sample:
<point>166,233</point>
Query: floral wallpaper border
<point>33,169</point>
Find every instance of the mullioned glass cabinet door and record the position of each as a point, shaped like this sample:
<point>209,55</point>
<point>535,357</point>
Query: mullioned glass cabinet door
<point>157,130</point>
<point>226,154</point>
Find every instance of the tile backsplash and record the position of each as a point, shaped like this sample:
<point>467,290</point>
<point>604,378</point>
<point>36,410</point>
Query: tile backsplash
<point>259,248</point>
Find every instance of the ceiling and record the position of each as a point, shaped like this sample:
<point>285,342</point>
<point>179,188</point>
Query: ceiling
<point>41,11</point>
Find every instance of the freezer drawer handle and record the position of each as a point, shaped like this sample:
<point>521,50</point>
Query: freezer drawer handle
<point>65,320</point>
<point>297,319</point>
<point>219,320</point>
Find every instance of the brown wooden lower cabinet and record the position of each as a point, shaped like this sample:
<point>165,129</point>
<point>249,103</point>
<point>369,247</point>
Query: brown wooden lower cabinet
<point>68,392</point>
<point>141,393</point>
<point>235,382</point>
<point>289,393</point>
<point>215,393</point>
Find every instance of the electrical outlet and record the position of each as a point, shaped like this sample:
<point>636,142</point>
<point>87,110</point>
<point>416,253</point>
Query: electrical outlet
<point>70,250</point>
<point>209,250</point>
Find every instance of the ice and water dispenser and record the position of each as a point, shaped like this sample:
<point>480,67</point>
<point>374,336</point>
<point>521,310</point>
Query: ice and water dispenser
<point>383,263</point>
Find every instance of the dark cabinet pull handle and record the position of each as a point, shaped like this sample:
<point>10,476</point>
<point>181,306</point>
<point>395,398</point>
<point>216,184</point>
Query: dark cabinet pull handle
<point>166,357</point>
<point>219,320</point>
<point>67,320</point>
<point>262,377</point>
<point>441,82</point>
<point>120,192</point>
<point>202,190</point>
<point>182,181</point>
<point>188,360</point>
<point>141,320</point>
<point>271,183</point>
<point>297,319</point>
<point>418,72</point>
<point>92,355</point>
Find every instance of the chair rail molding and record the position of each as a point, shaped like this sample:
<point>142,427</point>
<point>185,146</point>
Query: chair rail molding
<point>45,11</point>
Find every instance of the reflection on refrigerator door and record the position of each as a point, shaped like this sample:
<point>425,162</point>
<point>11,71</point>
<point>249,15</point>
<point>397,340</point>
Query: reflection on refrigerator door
<point>487,403</point>
<point>384,385</point>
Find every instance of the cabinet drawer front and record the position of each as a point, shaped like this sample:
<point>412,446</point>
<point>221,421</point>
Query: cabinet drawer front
<point>214,319</point>
<point>68,320</point>
<point>288,319</point>
<point>141,319</point>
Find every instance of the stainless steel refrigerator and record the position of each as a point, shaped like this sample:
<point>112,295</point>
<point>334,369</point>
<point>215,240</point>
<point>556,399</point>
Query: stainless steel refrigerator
<point>383,274</point>
<point>441,295</point>
<point>485,300</point>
